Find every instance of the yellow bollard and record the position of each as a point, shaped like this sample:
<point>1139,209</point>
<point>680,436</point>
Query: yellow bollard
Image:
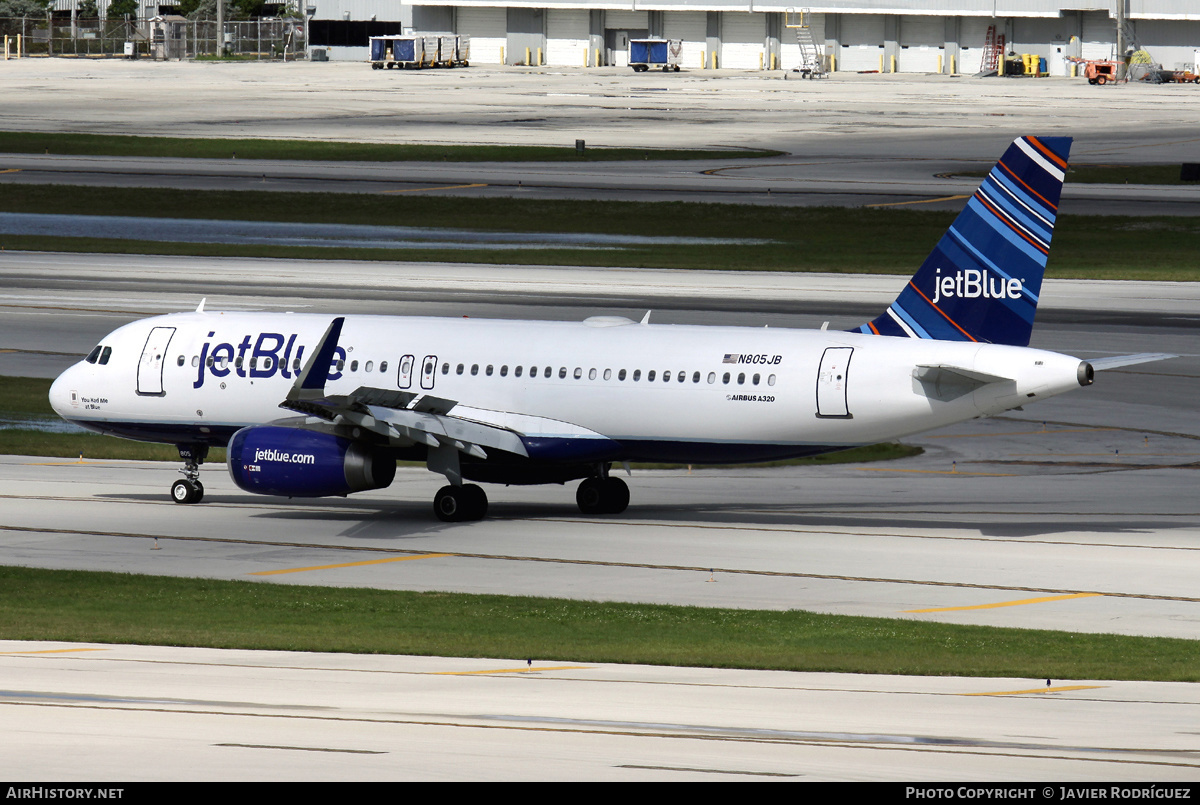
<point>881,62</point>
<point>760,62</point>
<point>539,64</point>
<point>703,60</point>
<point>773,55</point>
<point>953,65</point>
<point>526,57</point>
<point>939,62</point>
<point>714,60</point>
<point>893,62</point>
<point>502,54</point>
<point>833,64</point>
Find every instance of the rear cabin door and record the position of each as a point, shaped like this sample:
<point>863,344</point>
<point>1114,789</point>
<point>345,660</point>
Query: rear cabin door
<point>831,382</point>
<point>150,367</point>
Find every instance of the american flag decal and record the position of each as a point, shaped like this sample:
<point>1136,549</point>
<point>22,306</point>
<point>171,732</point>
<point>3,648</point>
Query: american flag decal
<point>731,357</point>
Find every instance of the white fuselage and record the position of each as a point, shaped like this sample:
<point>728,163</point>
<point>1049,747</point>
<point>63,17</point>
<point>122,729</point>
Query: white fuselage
<point>666,391</point>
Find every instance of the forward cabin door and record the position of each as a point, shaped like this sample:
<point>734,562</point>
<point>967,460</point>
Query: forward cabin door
<point>150,367</point>
<point>831,382</point>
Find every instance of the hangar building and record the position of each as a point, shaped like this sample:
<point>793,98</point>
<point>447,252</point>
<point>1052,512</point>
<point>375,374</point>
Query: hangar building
<point>911,36</point>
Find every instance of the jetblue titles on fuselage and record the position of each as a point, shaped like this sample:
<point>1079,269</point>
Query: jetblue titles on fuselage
<point>269,353</point>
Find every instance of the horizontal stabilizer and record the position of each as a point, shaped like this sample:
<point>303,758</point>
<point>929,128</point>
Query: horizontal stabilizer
<point>948,383</point>
<point>1116,361</point>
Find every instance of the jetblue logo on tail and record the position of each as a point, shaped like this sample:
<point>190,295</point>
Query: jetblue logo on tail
<point>973,284</point>
<point>982,279</point>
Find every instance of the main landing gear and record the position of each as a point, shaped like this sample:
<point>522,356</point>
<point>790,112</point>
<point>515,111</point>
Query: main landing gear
<point>602,496</point>
<point>456,504</point>
<point>189,489</point>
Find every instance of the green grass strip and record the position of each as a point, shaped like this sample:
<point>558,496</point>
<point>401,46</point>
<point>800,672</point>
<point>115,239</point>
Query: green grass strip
<point>881,241</point>
<point>80,606</point>
<point>27,142</point>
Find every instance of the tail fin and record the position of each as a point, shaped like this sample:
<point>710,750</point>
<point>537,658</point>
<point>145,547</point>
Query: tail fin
<point>982,280</point>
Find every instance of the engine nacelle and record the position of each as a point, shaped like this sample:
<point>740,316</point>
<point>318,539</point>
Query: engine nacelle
<point>293,462</point>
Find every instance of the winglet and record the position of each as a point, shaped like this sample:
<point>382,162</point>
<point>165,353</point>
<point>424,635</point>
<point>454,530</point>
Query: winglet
<point>310,383</point>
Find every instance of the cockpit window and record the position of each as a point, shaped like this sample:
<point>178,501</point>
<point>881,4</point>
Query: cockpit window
<point>93,355</point>
<point>105,355</point>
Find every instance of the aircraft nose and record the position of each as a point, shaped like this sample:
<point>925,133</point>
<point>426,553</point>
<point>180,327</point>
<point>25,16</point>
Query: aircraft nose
<point>62,395</point>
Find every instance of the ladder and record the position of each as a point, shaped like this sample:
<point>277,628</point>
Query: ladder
<point>812,64</point>
<point>993,51</point>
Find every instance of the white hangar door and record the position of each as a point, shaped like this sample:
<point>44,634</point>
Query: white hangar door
<point>1099,35</point>
<point>566,36</point>
<point>862,42</point>
<point>922,40</point>
<point>692,28</point>
<point>743,40</point>
<point>972,34</point>
<point>488,29</point>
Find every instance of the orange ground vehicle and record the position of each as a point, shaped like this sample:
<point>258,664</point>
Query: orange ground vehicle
<point>1100,72</point>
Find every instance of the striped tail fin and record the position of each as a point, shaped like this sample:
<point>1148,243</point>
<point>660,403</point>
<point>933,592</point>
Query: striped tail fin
<point>982,280</point>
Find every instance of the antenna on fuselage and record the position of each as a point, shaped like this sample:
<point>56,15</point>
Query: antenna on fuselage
<point>200,307</point>
<point>646,318</point>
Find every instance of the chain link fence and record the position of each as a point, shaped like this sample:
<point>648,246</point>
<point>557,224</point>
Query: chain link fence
<point>158,38</point>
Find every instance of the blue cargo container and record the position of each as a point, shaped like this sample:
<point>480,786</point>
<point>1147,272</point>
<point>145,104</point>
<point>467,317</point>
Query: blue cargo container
<point>664,53</point>
<point>420,50</point>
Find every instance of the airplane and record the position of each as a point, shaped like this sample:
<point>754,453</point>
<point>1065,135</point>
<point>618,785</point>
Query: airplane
<point>530,402</point>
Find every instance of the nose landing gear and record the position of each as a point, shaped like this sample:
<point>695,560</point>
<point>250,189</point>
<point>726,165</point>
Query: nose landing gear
<point>189,489</point>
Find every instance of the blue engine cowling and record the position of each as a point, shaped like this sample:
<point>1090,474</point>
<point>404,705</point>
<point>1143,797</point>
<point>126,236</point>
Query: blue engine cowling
<point>275,460</point>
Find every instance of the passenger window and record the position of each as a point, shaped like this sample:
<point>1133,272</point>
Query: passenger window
<point>637,375</point>
<point>517,371</point>
<point>445,368</point>
<point>181,360</point>
<point>460,368</point>
<point>383,366</point>
<point>549,371</point>
<point>353,365</point>
<point>649,376</point>
<point>370,366</point>
<point>578,373</point>
<point>741,378</point>
<point>695,377</point>
<point>682,376</point>
<point>621,375</point>
<point>755,378</point>
<point>504,370</point>
<point>770,380</point>
<point>562,373</point>
<point>607,374</point>
<point>712,378</point>
<point>474,369</point>
<point>195,360</point>
<point>488,371</point>
<point>725,379</point>
<point>667,376</point>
